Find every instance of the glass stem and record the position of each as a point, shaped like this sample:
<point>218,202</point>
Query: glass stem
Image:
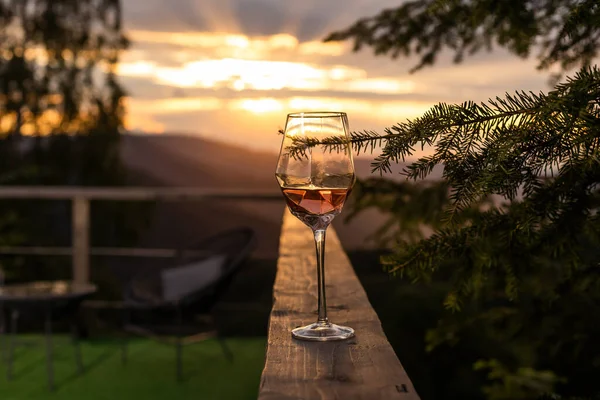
<point>320,246</point>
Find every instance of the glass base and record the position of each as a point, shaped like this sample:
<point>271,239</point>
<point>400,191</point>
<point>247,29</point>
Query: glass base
<point>323,332</point>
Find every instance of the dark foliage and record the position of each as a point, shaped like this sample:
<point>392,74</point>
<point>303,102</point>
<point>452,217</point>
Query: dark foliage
<point>564,32</point>
<point>516,237</point>
<point>61,116</point>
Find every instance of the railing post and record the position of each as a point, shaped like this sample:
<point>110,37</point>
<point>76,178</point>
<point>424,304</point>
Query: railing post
<point>81,239</point>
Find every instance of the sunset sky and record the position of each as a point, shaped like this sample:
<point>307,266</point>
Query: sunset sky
<point>232,69</point>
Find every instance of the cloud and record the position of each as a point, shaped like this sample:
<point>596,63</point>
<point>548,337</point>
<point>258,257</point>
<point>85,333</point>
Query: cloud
<point>240,74</point>
<point>234,68</point>
<point>307,20</point>
<point>253,121</point>
<point>261,17</point>
<point>223,44</point>
<point>148,89</point>
<point>394,111</point>
<point>175,15</point>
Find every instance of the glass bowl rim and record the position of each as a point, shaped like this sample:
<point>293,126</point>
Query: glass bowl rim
<point>317,114</point>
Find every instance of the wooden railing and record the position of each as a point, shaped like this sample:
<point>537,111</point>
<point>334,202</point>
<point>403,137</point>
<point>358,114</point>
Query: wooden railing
<point>364,367</point>
<point>80,197</point>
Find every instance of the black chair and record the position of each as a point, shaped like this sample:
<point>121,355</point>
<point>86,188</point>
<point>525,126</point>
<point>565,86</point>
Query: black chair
<point>174,305</point>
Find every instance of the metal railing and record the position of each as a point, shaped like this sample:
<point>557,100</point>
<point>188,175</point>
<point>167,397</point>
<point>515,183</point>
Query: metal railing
<point>80,197</point>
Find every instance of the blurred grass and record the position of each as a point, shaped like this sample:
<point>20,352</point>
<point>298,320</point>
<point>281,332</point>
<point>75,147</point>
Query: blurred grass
<point>242,317</point>
<point>149,373</point>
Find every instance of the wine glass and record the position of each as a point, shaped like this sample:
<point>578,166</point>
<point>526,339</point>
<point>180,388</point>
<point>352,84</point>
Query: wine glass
<point>315,183</point>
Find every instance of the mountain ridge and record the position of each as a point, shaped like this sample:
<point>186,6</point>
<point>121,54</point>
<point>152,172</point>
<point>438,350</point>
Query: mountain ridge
<point>192,161</point>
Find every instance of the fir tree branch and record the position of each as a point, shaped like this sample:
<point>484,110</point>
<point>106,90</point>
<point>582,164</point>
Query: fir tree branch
<point>564,33</point>
<point>498,147</point>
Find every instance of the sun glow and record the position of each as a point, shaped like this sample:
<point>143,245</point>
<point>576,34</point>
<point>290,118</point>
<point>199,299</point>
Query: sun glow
<point>229,45</point>
<point>259,106</point>
<point>216,60</point>
<point>390,110</point>
<point>246,84</point>
<point>176,105</point>
<point>240,74</point>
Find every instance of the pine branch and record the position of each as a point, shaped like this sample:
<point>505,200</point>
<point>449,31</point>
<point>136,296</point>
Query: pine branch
<point>565,33</point>
<point>542,151</point>
<point>524,269</point>
<point>361,142</point>
<point>498,147</point>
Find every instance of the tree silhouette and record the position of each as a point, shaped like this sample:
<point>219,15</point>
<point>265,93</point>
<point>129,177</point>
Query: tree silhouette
<point>57,66</point>
<point>563,32</point>
<point>61,115</point>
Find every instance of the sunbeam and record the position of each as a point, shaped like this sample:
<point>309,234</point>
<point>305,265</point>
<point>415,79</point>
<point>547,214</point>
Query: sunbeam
<point>238,66</point>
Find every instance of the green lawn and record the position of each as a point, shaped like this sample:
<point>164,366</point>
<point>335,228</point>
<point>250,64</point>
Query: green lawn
<point>148,375</point>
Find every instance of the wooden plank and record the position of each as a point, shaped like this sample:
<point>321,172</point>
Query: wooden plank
<point>364,367</point>
<point>36,250</point>
<point>81,239</point>
<point>102,251</point>
<point>133,193</point>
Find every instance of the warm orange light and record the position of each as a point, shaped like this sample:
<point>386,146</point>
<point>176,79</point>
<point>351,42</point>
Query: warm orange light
<point>259,106</point>
<point>215,60</point>
<point>174,105</point>
<point>256,46</point>
<point>7,122</point>
<point>28,129</point>
<point>143,122</point>
<point>381,85</point>
<point>137,68</point>
<point>240,74</point>
<point>237,41</point>
<point>396,110</point>
<point>323,49</point>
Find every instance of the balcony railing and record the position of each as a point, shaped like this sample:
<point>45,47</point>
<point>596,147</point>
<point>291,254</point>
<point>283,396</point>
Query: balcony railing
<point>364,367</point>
<point>80,197</point>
